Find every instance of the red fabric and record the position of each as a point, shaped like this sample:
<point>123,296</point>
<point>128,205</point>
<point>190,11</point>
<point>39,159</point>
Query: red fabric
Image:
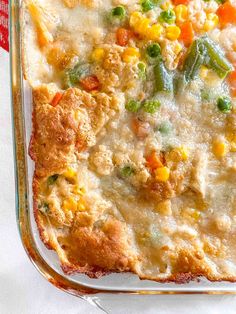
<point>4,34</point>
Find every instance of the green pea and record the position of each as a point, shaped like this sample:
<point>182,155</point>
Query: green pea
<point>133,105</point>
<point>224,104</point>
<point>118,12</point>
<point>127,171</point>
<point>167,16</point>
<point>147,5</point>
<point>142,70</point>
<point>52,179</point>
<point>165,128</point>
<point>73,76</point>
<point>151,106</point>
<point>154,51</point>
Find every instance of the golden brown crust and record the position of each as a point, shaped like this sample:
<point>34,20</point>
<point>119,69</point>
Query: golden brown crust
<point>61,131</point>
<point>99,252</point>
<point>93,251</point>
<point>105,248</point>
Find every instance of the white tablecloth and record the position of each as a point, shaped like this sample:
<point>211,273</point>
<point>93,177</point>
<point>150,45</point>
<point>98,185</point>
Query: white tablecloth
<point>22,288</point>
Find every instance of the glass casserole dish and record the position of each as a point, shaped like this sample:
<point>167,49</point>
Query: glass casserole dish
<point>44,260</point>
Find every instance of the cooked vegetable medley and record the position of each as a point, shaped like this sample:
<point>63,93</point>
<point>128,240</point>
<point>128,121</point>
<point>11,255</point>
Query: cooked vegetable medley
<point>134,135</point>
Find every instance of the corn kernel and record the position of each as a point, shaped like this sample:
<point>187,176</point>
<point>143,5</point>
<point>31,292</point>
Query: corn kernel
<point>219,149</point>
<point>191,213</point>
<point>196,215</point>
<point>183,153</point>
<point>97,54</point>
<point>70,173</point>
<point>211,22</point>
<point>179,154</point>
<point>172,32</point>
<point>181,12</point>
<point>130,55</point>
<point>177,48</point>
<point>203,72</point>
<point>154,32</point>
<point>81,206</point>
<point>166,5</point>
<point>79,190</point>
<point>143,26</point>
<point>162,174</point>
<point>69,204</point>
<point>135,18</point>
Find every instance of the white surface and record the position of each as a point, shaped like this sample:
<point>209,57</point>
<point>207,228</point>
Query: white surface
<point>24,291</point>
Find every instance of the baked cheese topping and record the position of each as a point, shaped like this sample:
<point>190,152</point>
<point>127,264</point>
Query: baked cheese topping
<point>134,134</point>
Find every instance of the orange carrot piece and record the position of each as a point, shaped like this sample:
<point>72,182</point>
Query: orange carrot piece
<point>232,77</point>
<point>227,13</point>
<point>187,33</point>
<point>122,36</point>
<point>153,161</point>
<point>232,82</point>
<point>56,99</point>
<point>140,128</point>
<point>90,83</point>
<point>176,2</point>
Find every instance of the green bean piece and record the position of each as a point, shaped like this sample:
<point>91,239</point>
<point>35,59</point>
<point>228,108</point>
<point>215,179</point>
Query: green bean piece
<point>220,1</point>
<point>215,58</point>
<point>178,83</point>
<point>163,78</point>
<point>194,60</point>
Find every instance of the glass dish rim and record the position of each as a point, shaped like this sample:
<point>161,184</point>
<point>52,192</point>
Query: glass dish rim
<point>21,177</point>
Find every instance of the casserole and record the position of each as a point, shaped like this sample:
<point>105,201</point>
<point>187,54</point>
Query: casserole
<point>43,259</point>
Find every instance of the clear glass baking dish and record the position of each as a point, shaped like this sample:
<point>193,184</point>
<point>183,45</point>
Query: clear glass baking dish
<point>44,260</point>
